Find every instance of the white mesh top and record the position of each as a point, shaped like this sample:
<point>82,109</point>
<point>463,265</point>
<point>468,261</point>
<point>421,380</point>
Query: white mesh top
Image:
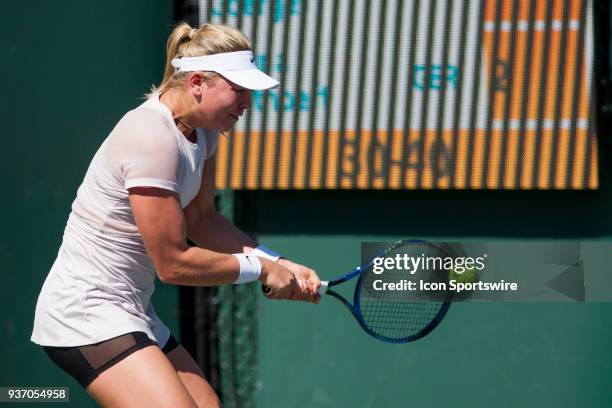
<point>101,282</point>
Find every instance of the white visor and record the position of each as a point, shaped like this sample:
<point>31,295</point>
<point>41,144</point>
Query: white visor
<point>238,67</point>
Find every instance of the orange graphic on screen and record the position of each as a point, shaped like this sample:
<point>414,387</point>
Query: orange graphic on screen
<point>550,111</point>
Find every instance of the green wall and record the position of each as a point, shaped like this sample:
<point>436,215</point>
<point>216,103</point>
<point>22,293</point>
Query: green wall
<point>70,70</point>
<point>482,354</point>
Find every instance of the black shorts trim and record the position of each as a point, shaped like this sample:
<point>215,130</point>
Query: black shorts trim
<point>170,345</point>
<point>86,363</point>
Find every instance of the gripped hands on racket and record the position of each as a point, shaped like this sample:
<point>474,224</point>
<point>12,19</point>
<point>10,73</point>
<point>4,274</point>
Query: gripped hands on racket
<point>289,280</point>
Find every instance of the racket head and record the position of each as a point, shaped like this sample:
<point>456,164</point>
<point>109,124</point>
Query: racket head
<point>402,316</point>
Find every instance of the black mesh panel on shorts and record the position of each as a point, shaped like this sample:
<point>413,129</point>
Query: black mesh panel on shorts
<point>99,354</point>
<point>85,363</point>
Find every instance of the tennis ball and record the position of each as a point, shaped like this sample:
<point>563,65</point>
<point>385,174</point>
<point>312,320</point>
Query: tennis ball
<point>468,276</point>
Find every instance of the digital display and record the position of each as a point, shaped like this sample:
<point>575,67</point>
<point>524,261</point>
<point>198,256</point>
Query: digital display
<point>456,94</point>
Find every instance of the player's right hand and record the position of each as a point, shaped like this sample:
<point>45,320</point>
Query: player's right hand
<point>282,282</point>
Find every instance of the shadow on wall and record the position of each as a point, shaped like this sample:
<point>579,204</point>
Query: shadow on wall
<point>541,214</point>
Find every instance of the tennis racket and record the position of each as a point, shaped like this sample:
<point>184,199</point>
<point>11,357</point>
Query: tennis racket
<point>397,316</point>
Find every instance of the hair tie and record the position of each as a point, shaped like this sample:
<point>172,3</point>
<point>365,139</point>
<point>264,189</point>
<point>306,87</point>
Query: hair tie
<point>192,33</point>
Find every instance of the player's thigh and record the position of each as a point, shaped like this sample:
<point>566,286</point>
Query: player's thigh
<point>145,378</point>
<point>192,378</point>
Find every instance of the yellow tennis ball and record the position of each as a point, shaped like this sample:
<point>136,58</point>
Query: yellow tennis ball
<point>469,275</point>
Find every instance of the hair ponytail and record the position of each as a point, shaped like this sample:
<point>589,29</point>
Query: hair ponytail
<point>180,34</point>
<point>185,41</point>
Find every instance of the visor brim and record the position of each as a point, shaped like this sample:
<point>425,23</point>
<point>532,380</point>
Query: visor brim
<point>252,79</point>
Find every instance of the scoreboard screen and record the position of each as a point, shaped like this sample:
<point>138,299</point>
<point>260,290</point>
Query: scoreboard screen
<point>430,94</point>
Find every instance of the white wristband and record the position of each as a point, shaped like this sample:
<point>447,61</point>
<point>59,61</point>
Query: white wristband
<point>250,268</point>
<point>265,252</point>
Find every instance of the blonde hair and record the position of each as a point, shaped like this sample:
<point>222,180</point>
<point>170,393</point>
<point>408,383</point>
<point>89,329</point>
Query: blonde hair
<point>185,41</point>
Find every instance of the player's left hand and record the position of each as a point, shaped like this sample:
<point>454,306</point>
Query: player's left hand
<point>307,278</point>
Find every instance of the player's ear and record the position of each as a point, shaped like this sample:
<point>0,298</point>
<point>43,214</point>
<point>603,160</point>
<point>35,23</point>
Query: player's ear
<point>195,82</point>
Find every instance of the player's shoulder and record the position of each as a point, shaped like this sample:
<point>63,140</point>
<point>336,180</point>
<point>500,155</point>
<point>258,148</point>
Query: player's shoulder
<point>146,123</point>
<point>145,117</point>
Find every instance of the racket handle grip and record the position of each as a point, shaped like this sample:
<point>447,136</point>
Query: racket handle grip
<point>322,289</point>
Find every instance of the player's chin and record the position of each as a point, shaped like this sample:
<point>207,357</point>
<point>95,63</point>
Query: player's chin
<point>229,124</point>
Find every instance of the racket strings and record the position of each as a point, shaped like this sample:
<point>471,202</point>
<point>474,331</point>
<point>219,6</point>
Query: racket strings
<point>404,311</point>
<point>391,321</point>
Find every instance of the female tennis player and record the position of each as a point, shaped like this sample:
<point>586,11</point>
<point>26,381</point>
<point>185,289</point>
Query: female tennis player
<point>148,188</point>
